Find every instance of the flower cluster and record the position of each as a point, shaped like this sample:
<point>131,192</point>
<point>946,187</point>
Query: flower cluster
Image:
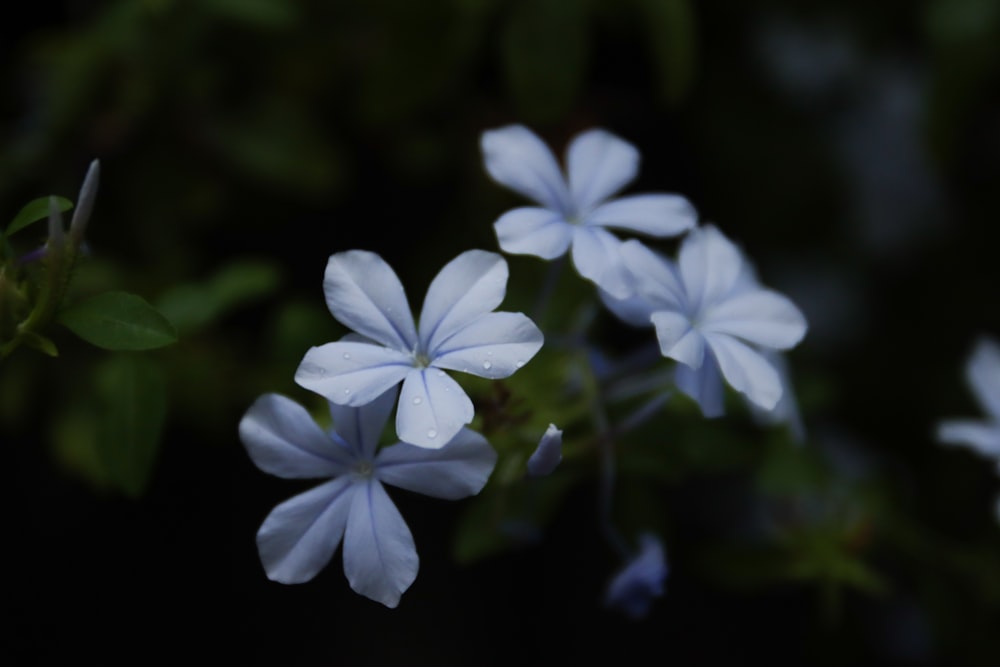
<point>709,312</point>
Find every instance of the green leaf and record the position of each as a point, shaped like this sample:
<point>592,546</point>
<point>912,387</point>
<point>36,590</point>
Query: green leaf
<point>40,343</point>
<point>544,45</point>
<point>133,393</point>
<point>670,36</point>
<point>111,434</point>
<point>35,210</point>
<point>195,305</point>
<point>504,518</point>
<point>118,321</point>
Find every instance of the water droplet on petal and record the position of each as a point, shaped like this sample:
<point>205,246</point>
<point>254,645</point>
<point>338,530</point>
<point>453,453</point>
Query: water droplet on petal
<point>441,374</point>
<point>487,365</point>
<point>432,433</point>
<point>520,363</point>
<point>347,355</point>
<point>346,392</point>
<point>417,400</point>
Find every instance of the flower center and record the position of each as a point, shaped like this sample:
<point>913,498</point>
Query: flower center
<point>420,359</point>
<point>364,469</point>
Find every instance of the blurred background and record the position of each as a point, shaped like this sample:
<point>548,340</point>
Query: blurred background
<point>852,148</point>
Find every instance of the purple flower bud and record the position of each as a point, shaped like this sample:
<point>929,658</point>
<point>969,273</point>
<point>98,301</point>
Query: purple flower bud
<point>548,454</point>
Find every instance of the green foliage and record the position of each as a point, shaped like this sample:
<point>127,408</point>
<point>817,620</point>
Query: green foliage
<point>194,306</point>
<point>112,436</point>
<point>545,53</point>
<point>35,210</point>
<point>118,321</point>
<point>671,40</point>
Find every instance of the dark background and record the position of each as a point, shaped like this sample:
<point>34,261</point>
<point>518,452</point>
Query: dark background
<point>852,148</point>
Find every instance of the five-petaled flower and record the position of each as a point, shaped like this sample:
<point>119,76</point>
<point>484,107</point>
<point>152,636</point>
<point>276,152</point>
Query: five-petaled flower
<point>982,372</point>
<point>458,331</point>
<point>710,316</point>
<point>299,537</point>
<point>576,209</point>
<point>634,587</point>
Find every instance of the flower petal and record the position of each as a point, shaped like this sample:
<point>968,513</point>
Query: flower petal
<point>380,559</point>
<point>533,231</point>
<point>710,265</point>
<point>761,317</point>
<point>983,374</point>
<point>746,370</point>
<point>432,409</point>
<point>364,294</point>
<point>633,589</point>
<point>468,286</point>
<point>678,339</point>
<point>548,454</point>
<point>599,165</point>
<point>655,277</point>
<point>597,257</point>
<point>459,469</point>
<point>361,427</point>
<point>493,346</point>
<point>282,439</point>
<point>981,436</point>
<point>657,215</point>
<point>352,373</point>
<point>704,385</point>
<point>299,536</point>
<point>787,409</point>
<point>517,158</point>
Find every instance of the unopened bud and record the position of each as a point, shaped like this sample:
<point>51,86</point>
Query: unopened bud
<point>85,203</point>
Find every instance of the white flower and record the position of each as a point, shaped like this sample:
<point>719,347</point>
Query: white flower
<point>458,331</point>
<point>548,454</point>
<point>299,537</point>
<point>712,318</point>
<point>982,372</point>
<point>576,209</point>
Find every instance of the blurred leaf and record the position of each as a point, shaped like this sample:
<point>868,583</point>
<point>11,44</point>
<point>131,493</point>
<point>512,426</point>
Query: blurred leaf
<point>965,36</point>
<point>35,210</point>
<point>670,39</point>
<point>111,435</point>
<point>258,13</point>
<point>281,145</point>
<point>40,343</point>
<point>544,46</point>
<point>508,517</point>
<point>133,394</point>
<point>118,321</point>
<point>194,306</point>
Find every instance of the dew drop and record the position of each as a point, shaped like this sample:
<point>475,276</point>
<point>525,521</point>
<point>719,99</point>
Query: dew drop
<point>487,365</point>
<point>347,355</point>
<point>417,400</point>
<point>432,433</point>
<point>346,392</point>
<point>520,363</point>
<point>441,374</point>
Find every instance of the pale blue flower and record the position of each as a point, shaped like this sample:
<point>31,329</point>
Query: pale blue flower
<point>548,454</point>
<point>299,537</point>
<point>576,208</point>
<point>982,372</point>
<point>635,586</point>
<point>712,317</point>
<point>458,331</point>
